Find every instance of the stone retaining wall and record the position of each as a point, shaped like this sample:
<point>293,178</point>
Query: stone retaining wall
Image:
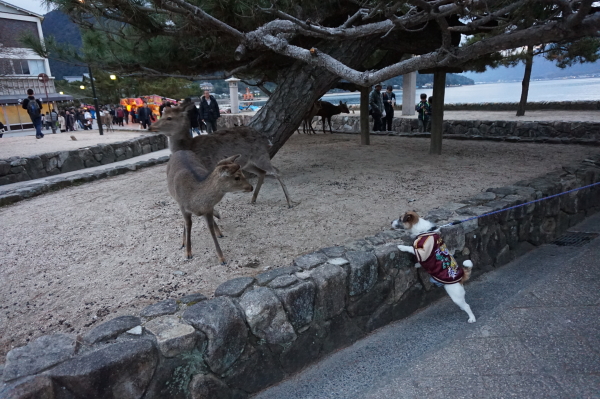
<point>587,133</point>
<point>18,169</point>
<point>584,132</point>
<point>10,196</point>
<point>256,331</point>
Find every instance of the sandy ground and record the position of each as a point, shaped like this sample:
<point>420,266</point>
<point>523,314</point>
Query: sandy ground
<point>86,254</point>
<point>25,146</point>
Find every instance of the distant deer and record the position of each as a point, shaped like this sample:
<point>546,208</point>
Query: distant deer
<point>328,110</point>
<point>197,191</point>
<point>246,141</point>
<point>107,120</point>
<point>308,119</point>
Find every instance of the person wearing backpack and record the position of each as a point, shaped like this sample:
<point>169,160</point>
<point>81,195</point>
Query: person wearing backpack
<point>34,109</point>
<point>53,120</point>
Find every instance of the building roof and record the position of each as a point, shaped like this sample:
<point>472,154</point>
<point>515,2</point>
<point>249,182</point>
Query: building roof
<point>9,5</point>
<point>15,98</point>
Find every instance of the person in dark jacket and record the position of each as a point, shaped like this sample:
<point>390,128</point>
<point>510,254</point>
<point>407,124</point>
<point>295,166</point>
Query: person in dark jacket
<point>209,112</point>
<point>389,100</point>
<point>194,116</point>
<point>144,116</point>
<point>35,112</point>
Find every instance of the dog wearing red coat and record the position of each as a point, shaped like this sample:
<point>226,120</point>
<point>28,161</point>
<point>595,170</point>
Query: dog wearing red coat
<point>433,256</point>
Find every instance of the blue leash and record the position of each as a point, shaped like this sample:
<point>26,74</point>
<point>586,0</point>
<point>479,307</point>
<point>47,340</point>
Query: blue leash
<point>518,206</point>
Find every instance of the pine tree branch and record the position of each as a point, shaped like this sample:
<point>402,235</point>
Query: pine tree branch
<point>551,32</point>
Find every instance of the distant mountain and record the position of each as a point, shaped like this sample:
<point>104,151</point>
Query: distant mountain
<point>542,69</point>
<point>57,24</point>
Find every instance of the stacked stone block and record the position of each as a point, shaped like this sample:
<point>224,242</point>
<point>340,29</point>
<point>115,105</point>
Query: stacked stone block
<point>17,169</point>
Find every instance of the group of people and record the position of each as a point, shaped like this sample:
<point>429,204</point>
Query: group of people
<point>381,108</point>
<point>121,116</point>
<point>64,120</point>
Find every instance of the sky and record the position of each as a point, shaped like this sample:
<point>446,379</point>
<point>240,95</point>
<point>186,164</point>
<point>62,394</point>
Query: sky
<point>37,6</point>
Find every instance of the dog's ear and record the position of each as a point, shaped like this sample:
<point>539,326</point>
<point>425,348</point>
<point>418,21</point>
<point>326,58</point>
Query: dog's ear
<point>407,218</point>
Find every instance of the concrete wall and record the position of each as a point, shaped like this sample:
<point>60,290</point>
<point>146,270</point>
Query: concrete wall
<point>256,331</point>
<point>18,169</point>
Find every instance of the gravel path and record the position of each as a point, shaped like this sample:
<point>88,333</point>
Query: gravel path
<point>86,254</point>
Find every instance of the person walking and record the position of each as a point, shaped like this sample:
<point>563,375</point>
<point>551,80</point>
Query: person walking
<point>389,100</point>
<point>53,120</point>
<point>194,116</point>
<point>424,112</point>
<point>144,116</point>
<point>120,115</point>
<point>34,109</point>
<point>88,119</point>
<point>376,107</point>
<point>209,112</point>
<point>62,123</point>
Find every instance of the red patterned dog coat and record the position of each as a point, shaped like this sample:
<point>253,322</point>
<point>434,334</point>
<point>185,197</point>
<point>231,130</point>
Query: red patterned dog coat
<point>432,254</point>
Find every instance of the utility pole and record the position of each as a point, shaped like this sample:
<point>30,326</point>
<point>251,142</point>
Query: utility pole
<point>95,101</point>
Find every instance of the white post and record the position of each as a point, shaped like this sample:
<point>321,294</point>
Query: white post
<point>233,94</point>
<point>409,92</point>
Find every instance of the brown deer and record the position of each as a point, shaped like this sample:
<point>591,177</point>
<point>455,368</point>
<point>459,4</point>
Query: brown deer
<point>246,141</point>
<point>197,191</point>
<point>308,119</point>
<point>328,110</point>
<point>107,120</point>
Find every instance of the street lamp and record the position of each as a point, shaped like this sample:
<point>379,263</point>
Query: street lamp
<point>113,77</point>
<point>82,87</point>
<point>61,93</point>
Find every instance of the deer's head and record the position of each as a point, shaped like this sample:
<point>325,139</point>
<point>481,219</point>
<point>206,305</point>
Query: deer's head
<point>231,177</point>
<point>344,107</point>
<point>174,120</point>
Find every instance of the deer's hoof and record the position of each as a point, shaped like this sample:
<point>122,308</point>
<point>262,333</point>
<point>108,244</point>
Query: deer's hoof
<point>221,236</point>
<point>189,257</point>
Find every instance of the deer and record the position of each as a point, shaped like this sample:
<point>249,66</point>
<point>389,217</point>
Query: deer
<point>308,118</point>
<point>328,110</point>
<point>107,120</point>
<point>244,140</point>
<point>197,191</point>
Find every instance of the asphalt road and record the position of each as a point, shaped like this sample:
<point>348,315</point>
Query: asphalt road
<point>537,336</point>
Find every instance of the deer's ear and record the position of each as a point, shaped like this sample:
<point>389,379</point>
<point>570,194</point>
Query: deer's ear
<point>186,105</point>
<point>229,169</point>
<point>229,160</point>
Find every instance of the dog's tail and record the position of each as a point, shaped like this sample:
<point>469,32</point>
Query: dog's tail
<point>467,267</point>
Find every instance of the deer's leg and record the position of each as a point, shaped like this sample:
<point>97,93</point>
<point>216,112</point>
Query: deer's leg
<point>261,178</point>
<point>323,123</point>
<point>183,242</point>
<point>217,229</point>
<point>211,226</point>
<point>275,173</point>
<point>187,218</point>
<point>329,121</point>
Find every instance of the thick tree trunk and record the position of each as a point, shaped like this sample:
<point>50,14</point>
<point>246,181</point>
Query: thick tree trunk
<point>298,88</point>
<point>525,83</point>
<point>437,109</point>
<point>364,116</point>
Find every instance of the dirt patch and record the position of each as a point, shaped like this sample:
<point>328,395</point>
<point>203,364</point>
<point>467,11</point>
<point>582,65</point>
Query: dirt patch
<point>26,146</point>
<point>86,254</point>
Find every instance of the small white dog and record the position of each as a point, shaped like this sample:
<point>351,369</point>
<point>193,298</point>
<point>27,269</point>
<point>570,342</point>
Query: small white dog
<point>433,256</point>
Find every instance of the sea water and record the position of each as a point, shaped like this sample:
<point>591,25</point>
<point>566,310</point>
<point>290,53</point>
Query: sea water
<point>510,92</point>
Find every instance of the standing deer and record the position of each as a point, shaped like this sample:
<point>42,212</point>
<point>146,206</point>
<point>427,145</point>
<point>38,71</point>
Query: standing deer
<point>308,119</point>
<point>246,141</point>
<point>197,191</point>
<point>328,110</point>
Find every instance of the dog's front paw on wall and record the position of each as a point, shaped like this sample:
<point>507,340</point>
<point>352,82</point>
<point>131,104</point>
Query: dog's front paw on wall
<point>471,320</point>
<point>406,248</point>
